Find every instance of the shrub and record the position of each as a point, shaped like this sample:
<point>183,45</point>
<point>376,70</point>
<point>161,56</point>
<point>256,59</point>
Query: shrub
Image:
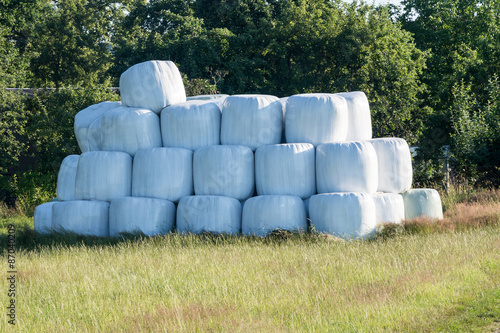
<point>39,131</point>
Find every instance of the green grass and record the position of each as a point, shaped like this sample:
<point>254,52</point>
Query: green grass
<point>420,276</point>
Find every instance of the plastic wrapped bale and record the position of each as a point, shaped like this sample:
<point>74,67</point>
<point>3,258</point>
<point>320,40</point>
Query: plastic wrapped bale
<point>345,215</point>
<point>103,175</point>
<point>209,213</point>
<point>191,125</point>
<point>265,213</point>
<point>283,102</point>
<point>147,215</point>
<point>206,97</point>
<point>285,169</point>
<point>130,129</point>
<point>152,85</point>
<point>90,218</point>
<point>66,178</point>
<point>346,167</point>
<point>394,165</point>
<point>251,120</point>
<point>164,173</point>
<point>422,203</point>
<point>87,125</point>
<point>316,118</point>
<point>224,170</point>
<point>390,207</point>
<point>360,122</point>
<point>42,219</point>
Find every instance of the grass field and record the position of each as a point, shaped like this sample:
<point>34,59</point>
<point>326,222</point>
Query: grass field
<point>421,276</point>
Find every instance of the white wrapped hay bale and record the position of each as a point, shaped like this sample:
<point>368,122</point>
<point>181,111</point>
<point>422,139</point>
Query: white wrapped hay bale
<point>422,203</point>
<point>66,178</point>
<point>251,120</point>
<point>224,170</point>
<point>42,219</point>
<point>86,123</point>
<point>285,169</point>
<point>394,165</point>
<point>346,167</point>
<point>164,173</point>
<point>90,218</point>
<point>206,97</point>
<point>152,85</point>
<point>209,213</point>
<point>316,118</point>
<point>103,175</point>
<point>360,122</point>
<point>191,125</point>
<point>147,215</point>
<point>390,207</point>
<point>263,214</point>
<point>345,215</point>
<point>130,129</point>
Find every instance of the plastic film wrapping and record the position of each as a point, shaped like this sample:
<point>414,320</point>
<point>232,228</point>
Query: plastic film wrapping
<point>286,169</point>
<point>152,85</point>
<point>209,213</point>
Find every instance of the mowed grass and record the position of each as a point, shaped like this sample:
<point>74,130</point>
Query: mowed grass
<point>411,278</point>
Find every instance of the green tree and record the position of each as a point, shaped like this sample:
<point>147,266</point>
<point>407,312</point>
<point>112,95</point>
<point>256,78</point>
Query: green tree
<point>323,46</point>
<point>168,30</point>
<point>463,37</point>
<point>72,44</point>
<point>476,134</point>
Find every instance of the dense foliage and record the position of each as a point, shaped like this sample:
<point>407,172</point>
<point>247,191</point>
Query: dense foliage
<point>430,67</point>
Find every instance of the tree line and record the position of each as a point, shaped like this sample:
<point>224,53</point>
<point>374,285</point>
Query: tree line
<point>429,67</point>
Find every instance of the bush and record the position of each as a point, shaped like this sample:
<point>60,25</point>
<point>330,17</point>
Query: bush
<point>39,132</point>
<point>33,189</point>
<point>476,134</point>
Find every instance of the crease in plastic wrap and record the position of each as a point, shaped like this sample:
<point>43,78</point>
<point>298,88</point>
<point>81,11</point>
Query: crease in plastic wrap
<point>286,169</point>
<point>163,173</point>
<point>251,120</point>
<point>306,205</point>
<point>152,85</point>
<point>349,166</point>
<point>42,218</point>
<point>316,118</point>
<point>394,165</point>
<point>209,213</point>
<point>206,97</point>
<point>224,170</point>
<point>422,203</point>
<point>283,102</point>
<point>191,125</point>
<point>147,215</point>
<point>345,215</point>
<point>130,129</point>
<point>89,218</point>
<point>265,213</point>
<point>87,125</point>
<point>360,122</point>
<point>66,178</point>
<point>390,207</point>
<point>103,175</point>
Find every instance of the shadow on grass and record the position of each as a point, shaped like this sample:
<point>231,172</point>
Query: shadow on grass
<point>463,216</point>
<point>29,240</point>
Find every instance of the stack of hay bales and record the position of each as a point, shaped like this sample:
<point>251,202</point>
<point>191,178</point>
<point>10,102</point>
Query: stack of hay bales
<point>158,162</point>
